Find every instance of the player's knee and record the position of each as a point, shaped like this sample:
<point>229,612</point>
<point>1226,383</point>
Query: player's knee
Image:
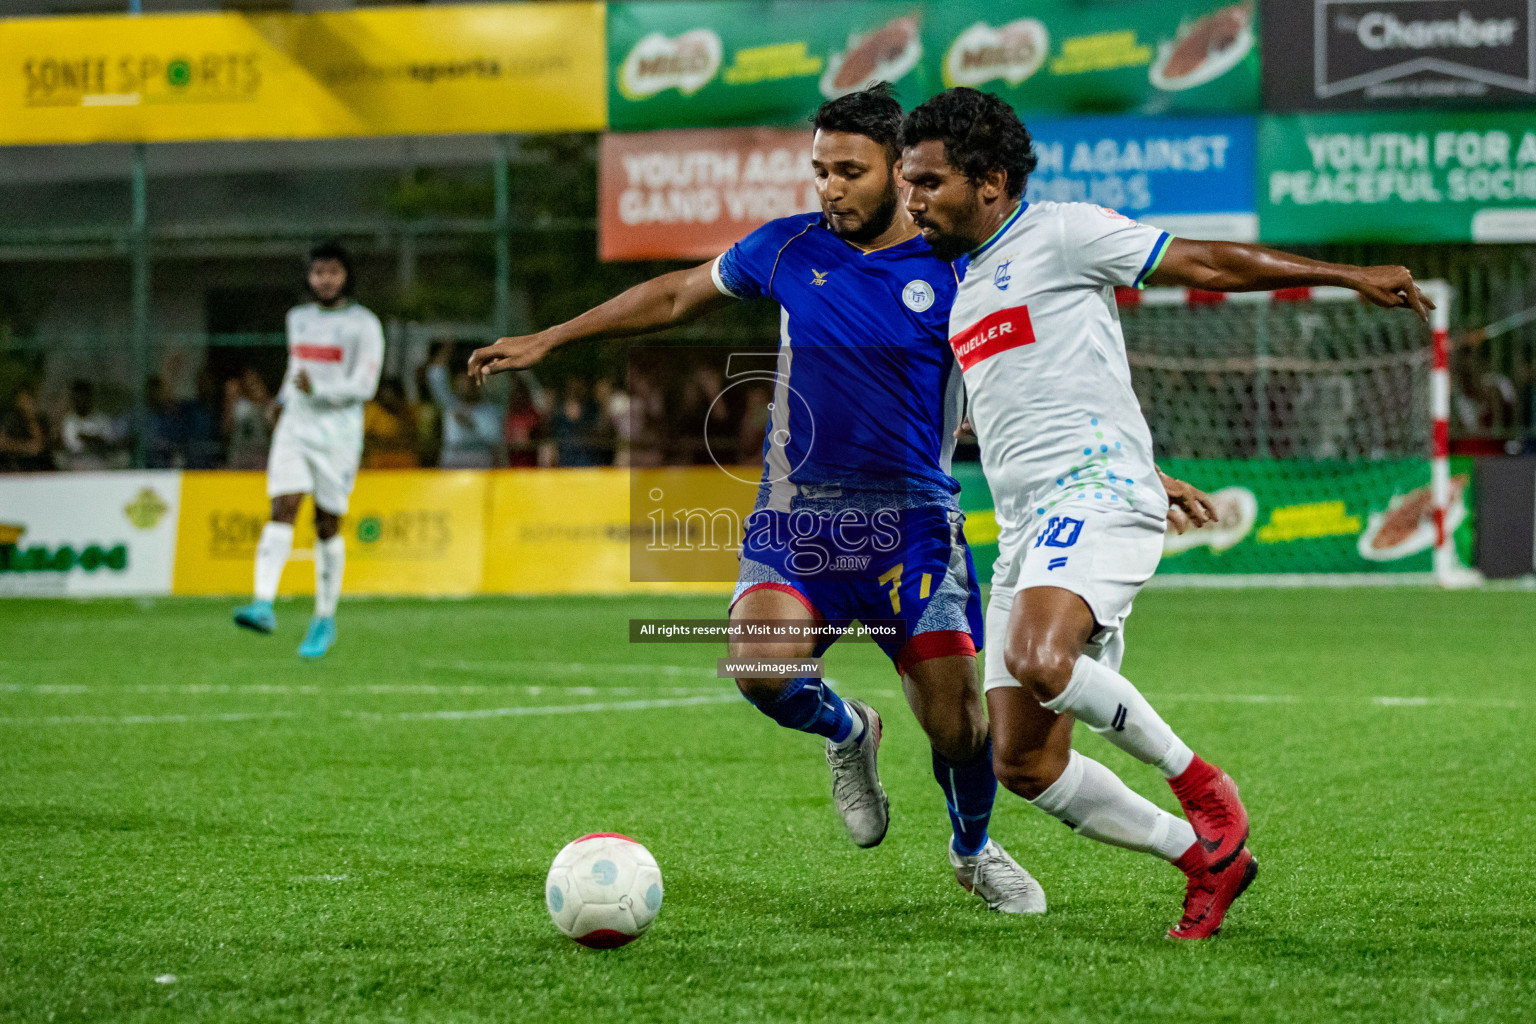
<point>761,691</point>
<point>1044,670</point>
<point>285,508</point>
<point>957,738</point>
<point>1025,773</point>
<point>326,524</point>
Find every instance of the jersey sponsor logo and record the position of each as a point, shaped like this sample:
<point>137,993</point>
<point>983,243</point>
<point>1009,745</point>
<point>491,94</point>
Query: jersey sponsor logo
<point>1001,276</point>
<point>318,353</point>
<point>994,333</point>
<point>918,295</point>
<point>819,277</point>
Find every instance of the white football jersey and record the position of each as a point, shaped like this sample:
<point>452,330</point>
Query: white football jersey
<point>1037,332</point>
<point>342,350</point>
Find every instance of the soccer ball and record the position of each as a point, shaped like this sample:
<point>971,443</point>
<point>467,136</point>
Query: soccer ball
<point>603,890</point>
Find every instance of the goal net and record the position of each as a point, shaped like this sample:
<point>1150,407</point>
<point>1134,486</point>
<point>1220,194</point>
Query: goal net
<point>1311,416</point>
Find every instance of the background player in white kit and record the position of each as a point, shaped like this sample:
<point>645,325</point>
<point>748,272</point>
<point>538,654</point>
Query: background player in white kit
<point>335,352</point>
<point>1080,504</point>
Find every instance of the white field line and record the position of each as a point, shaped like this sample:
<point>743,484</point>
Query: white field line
<point>234,716</point>
<point>711,697</point>
<point>576,667</point>
<point>374,689</point>
<point>1382,702</point>
<point>515,712</point>
<point>559,709</point>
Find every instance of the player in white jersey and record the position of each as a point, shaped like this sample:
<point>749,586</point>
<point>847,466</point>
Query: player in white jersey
<point>1081,506</point>
<point>335,352</point>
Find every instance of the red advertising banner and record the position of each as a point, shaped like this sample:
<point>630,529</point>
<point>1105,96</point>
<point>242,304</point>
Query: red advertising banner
<point>692,194</point>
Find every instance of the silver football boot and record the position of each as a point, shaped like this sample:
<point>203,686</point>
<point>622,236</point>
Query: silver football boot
<point>856,789</point>
<point>999,880</point>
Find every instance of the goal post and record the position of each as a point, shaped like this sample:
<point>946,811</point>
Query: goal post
<point>1319,422</point>
<point>1449,571</point>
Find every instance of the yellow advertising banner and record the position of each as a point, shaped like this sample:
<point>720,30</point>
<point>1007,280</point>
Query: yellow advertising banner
<point>408,532</point>
<point>568,532</point>
<point>515,67</point>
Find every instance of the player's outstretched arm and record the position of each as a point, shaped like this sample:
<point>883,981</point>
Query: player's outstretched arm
<point>1188,506</point>
<point>658,303</point>
<point>1236,267</point>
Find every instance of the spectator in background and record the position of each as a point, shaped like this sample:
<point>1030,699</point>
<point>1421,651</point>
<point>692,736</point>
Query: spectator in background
<point>705,431</point>
<point>573,424</point>
<point>429,421</point>
<point>646,415</point>
<point>88,439</point>
<point>24,436</point>
<point>248,416</point>
<point>472,424</point>
<point>203,424</point>
<point>524,429</point>
<point>754,424</point>
<point>621,410</point>
<point>612,435</point>
<point>389,429</point>
<point>163,430</point>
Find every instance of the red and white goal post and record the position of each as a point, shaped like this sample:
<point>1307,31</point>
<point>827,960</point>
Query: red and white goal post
<point>1300,384</point>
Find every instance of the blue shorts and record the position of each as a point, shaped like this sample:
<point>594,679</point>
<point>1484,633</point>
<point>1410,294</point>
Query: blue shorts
<point>908,564</point>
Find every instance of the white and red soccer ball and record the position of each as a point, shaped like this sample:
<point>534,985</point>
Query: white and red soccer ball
<point>603,890</point>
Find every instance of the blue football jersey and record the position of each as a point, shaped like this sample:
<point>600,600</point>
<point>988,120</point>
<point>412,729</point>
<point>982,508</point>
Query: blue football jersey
<point>866,393</point>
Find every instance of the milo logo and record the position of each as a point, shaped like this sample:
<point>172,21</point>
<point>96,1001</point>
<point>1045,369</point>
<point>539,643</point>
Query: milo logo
<point>657,63</point>
<point>1011,52</point>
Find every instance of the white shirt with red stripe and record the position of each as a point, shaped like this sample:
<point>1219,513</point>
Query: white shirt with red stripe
<point>1037,333</point>
<point>342,350</point>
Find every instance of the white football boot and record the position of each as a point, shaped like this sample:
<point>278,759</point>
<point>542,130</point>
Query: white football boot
<point>861,800</point>
<point>999,880</point>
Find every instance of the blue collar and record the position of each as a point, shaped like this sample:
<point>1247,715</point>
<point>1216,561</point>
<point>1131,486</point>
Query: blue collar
<point>976,253</point>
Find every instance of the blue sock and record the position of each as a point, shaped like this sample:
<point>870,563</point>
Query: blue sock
<point>811,706</point>
<point>969,790</point>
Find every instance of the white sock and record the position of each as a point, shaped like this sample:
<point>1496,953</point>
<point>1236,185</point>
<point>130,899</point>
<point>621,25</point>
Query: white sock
<point>1093,802</point>
<point>330,560</point>
<point>271,555</point>
<point>1110,705</point>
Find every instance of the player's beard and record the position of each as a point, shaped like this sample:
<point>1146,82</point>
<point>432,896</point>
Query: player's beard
<point>878,221</point>
<point>949,246</point>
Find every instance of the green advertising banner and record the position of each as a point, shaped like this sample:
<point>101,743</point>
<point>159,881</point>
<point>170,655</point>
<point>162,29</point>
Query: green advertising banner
<point>1414,176</point>
<point>686,65</point>
<point>1285,517</point>
<point>691,64</point>
<point>1067,56</point>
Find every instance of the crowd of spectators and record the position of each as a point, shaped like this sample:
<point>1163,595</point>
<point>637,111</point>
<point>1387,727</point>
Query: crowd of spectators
<point>677,413</point>
<point>674,409</point>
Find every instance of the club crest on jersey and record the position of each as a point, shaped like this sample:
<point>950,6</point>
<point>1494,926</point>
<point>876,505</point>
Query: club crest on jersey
<point>997,332</point>
<point>1001,276</point>
<point>819,277</point>
<point>918,295</point>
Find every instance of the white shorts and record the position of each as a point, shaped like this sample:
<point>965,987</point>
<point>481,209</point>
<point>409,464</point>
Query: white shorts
<point>296,466</point>
<point>1104,556</point>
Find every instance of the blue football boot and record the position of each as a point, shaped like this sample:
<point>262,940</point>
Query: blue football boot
<point>320,638</point>
<point>257,617</point>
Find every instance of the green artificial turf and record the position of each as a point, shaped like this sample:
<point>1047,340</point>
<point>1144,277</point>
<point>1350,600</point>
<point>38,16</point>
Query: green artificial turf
<point>177,798</point>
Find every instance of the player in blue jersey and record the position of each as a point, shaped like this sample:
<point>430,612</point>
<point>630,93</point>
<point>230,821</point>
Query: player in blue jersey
<point>857,515</point>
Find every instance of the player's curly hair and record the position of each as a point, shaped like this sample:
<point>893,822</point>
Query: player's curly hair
<point>874,113</point>
<point>331,249</point>
<point>980,133</point>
